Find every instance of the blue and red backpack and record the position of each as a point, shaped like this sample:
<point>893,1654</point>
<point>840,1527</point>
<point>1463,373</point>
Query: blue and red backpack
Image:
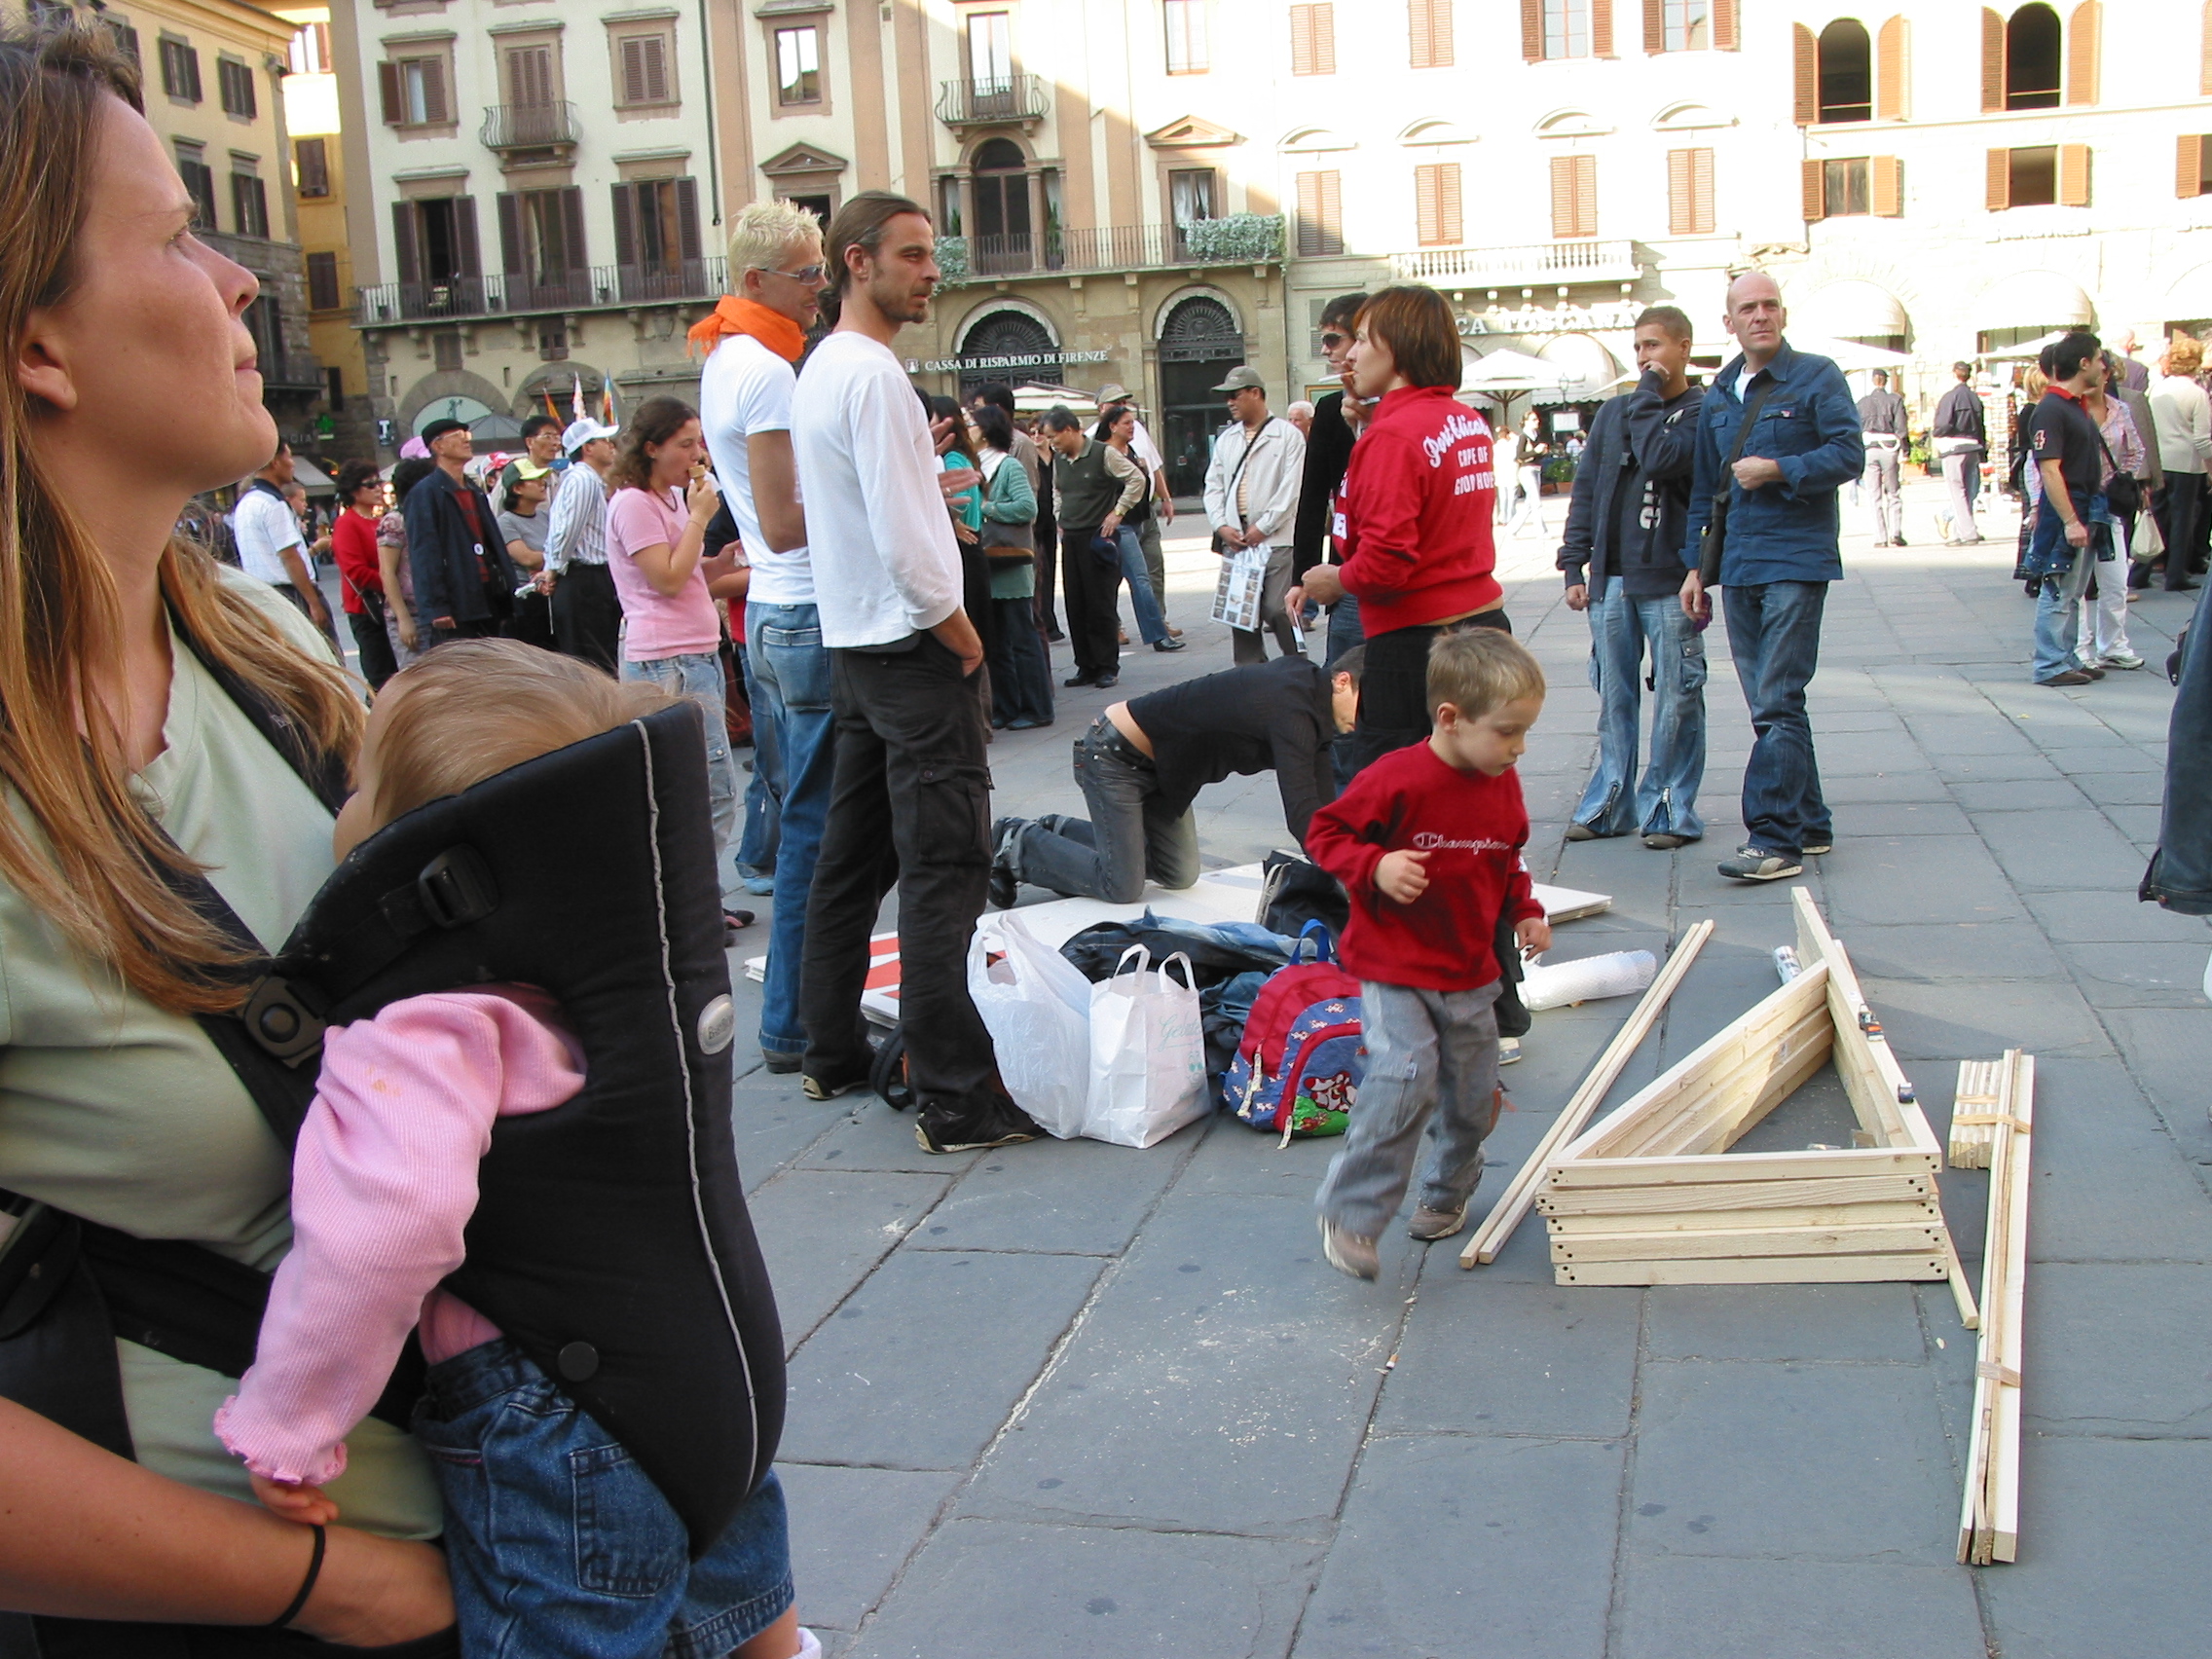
<point>1299,1065</point>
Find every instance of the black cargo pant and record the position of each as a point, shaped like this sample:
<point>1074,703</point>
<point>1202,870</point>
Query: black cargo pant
<point>910,803</point>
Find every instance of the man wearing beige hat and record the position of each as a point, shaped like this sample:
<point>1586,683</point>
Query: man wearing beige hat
<point>1251,498</point>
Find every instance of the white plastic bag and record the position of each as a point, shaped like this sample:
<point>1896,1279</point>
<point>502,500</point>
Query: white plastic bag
<point>1148,1056</point>
<point>1037,1007</point>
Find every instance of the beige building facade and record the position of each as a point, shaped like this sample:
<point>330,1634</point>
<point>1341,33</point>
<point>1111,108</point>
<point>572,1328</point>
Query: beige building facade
<point>345,424</point>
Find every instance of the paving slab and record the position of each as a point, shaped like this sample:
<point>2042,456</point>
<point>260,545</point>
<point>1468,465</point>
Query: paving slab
<point>1952,1021</point>
<point>2111,1183</point>
<point>852,1532</point>
<point>1454,1545</point>
<point>824,1231</point>
<point>2111,916</point>
<point>1080,1197</point>
<point>1483,1355</point>
<point>2120,1347</point>
<point>922,1368</point>
<point>1867,1322</point>
<point>1682,1607</point>
<point>984,1586</point>
<point>1918,880</point>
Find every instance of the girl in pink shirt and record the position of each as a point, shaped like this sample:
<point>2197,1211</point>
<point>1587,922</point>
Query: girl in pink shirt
<point>384,1183</point>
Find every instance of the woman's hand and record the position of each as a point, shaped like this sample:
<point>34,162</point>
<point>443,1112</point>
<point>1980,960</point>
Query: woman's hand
<point>407,634</point>
<point>964,533</point>
<point>702,497</point>
<point>306,1504</point>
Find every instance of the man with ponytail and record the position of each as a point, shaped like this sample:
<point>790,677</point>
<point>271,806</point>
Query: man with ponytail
<point>910,774</point>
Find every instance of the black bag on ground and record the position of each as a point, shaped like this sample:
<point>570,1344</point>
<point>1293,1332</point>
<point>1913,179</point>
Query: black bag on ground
<point>1097,952</point>
<point>1295,890</point>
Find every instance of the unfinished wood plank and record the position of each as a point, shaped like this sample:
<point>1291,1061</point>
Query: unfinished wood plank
<point>1691,1169</point>
<point>1730,1243</point>
<point>1724,1088</point>
<point>1761,1270</point>
<point>1747,1103</point>
<point>1506,1215</point>
<point>1736,1195</point>
<point>1989,1513</point>
<point>1880,1214</point>
<point>1983,1095</point>
<point>1726,1048</point>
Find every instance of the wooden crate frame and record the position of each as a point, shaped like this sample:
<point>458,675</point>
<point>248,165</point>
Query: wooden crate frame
<point>1652,1196</point>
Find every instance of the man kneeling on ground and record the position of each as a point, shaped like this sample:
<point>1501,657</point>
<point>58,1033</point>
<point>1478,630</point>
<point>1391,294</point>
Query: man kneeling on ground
<point>1143,762</point>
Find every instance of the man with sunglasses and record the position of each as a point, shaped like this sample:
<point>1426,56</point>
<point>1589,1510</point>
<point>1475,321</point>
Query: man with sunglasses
<point>1336,419</point>
<point>754,337</point>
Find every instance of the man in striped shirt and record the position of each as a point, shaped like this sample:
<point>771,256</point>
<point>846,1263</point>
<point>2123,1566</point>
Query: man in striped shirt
<point>587,616</point>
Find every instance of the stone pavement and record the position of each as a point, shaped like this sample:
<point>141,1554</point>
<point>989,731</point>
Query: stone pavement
<point>1070,1399</point>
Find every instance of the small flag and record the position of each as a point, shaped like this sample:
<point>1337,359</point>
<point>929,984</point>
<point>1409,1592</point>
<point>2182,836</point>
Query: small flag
<point>614,416</point>
<point>576,395</point>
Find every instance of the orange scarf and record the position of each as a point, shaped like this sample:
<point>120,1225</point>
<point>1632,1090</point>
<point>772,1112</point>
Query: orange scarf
<point>735,314</point>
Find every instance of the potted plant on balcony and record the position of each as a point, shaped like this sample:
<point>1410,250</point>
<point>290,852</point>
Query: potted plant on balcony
<point>952,260</point>
<point>1240,239</point>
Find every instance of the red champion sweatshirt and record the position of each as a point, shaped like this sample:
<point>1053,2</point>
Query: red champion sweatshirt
<point>1471,825</point>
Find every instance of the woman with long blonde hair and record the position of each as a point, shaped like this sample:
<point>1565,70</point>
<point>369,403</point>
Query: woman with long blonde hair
<point>172,739</point>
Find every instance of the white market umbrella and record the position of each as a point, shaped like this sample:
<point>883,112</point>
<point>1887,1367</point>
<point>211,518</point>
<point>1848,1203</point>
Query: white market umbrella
<point>1850,356</point>
<point>1036,398</point>
<point>1508,372</point>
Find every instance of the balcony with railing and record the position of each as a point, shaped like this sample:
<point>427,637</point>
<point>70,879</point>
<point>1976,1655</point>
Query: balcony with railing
<point>530,126</point>
<point>519,294</point>
<point>998,101</point>
<point>1533,264</point>
<point>1243,239</point>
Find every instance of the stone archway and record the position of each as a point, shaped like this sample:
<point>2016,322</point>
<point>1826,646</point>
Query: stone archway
<point>1200,342</point>
<point>447,384</point>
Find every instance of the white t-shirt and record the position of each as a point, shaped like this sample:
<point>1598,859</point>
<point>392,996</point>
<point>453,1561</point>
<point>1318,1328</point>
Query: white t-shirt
<point>880,537</point>
<point>265,525</point>
<point>747,389</point>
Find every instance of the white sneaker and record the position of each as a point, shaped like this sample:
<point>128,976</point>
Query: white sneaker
<point>2121,659</point>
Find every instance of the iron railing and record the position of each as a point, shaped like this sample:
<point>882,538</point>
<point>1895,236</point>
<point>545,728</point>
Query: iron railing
<point>994,99</point>
<point>1577,260</point>
<point>524,126</point>
<point>1106,247</point>
<point>516,293</point>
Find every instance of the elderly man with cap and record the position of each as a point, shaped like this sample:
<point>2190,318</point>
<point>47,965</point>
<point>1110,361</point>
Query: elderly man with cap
<point>587,615</point>
<point>1252,487</point>
<point>465,583</point>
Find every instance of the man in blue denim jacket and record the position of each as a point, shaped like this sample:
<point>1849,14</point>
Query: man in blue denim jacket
<point>1779,554</point>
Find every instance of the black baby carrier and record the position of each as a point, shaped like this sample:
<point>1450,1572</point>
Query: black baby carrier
<point>610,1241</point>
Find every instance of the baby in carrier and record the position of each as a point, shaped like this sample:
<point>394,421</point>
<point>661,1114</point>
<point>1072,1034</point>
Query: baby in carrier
<point>558,1543</point>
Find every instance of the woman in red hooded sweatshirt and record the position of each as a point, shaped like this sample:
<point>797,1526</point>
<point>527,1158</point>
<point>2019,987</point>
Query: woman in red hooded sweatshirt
<point>1414,514</point>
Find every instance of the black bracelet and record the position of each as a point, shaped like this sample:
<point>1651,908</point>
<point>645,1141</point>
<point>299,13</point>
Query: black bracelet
<point>306,1584</point>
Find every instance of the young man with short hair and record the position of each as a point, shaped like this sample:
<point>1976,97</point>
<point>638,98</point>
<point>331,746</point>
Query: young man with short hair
<point>1252,483</point>
<point>1623,563</point>
<point>911,791</point>
<point>755,336</point>
<point>1960,434</point>
<point>1093,487</point>
<point>1338,417</point>
<point>269,543</point>
<point>1882,419</point>
<point>2068,453</point>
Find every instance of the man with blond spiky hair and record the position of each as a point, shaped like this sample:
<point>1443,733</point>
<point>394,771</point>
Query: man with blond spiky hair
<point>754,337</point>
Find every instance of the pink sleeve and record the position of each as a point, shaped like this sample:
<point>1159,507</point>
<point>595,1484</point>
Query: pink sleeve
<point>384,1180</point>
<point>635,520</point>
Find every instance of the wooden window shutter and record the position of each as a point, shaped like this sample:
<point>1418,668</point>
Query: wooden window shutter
<point>1314,39</point>
<point>1332,212</point>
<point>656,68</point>
<point>1891,65</point>
<point>2204,52</point>
<point>388,89</point>
<point>1427,221</point>
<point>509,206</point>
<point>1677,193</point>
<point>2073,175</point>
<point>530,76</point>
<point>1805,65</point>
<point>1992,60</point>
<point>1887,186</point>
<point>1813,185</point>
<point>1701,192</point>
<point>1533,30</point>
<point>1586,196</point>
<point>573,227</point>
<point>1997,180</point>
<point>1324,38</point>
<point>433,89</point>
<point>1654,26</point>
<point>1430,24</point>
<point>1301,40</point>
<point>1601,29</point>
<point>625,224</point>
<point>644,69</point>
<point>465,251</point>
<point>2083,48</point>
<point>687,218</point>
<point>1320,213</point>
<point>1563,196</point>
<point>1725,33</point>
<point>1420,41</point>
<point>2188,164</point>
<point>403,243</point>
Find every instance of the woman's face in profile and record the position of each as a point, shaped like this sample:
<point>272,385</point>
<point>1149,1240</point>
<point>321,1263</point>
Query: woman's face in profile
<point>152,321</point>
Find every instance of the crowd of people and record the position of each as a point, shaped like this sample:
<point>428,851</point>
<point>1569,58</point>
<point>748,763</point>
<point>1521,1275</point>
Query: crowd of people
<point>362,1296</point>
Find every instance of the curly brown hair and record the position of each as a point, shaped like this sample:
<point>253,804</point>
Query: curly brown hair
<point>657,420</point>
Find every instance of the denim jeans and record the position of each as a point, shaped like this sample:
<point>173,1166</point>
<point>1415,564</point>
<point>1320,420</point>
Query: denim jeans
<point>1774,634</point>
<point>1131,832</point>
<point>1429,1054</point>
<point>1152,625</point>
<point>911,804</point>
<point>2058,594</point>
<point>698,676</point>
<point>1665,802</point>
<point>792,669</point>
<point>763,796</point>
<point>562,1548</point>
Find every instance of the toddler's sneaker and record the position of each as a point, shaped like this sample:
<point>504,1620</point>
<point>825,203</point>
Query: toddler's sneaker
<point>1756,864</point>
<point>1347,1252</point>
<point>1508,1051</point>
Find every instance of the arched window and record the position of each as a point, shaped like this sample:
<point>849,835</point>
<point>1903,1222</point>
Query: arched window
<point>1035,356</point>
<point>2033,56</point>
<point>1846,72</point>
<point>1001,189</point>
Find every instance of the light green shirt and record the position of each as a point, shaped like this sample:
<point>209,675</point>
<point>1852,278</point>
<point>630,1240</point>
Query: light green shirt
<point>114,1110</point>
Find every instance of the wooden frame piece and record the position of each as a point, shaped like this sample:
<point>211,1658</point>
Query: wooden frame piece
<point>1506,1215</point>
<point>1652,1195</point>
<point>1989,1516</point>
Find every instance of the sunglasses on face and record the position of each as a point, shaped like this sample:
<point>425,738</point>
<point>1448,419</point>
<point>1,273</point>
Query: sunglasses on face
<point>805,274</point>
<point>1332,339</point>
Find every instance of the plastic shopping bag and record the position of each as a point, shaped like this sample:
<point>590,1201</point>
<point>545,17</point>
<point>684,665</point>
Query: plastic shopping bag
<point>1148,1057</point>
<point>1037,1009</point>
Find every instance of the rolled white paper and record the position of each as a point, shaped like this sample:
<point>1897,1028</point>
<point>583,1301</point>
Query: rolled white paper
<point>1555,984</point>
